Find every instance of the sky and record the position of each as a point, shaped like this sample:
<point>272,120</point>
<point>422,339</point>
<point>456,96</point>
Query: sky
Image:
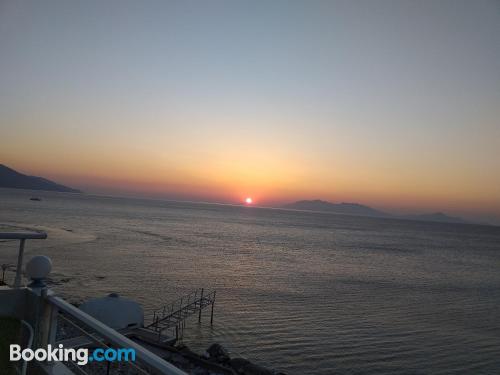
<point>394,104</point>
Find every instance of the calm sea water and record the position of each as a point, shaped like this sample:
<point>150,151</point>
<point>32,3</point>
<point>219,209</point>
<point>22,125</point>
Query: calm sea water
<point>306,293</point>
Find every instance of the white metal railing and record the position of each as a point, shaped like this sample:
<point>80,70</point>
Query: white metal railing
<point>103,334</point>
<point>98,341</point>
<point>116,339</point>
<point>22,237</point>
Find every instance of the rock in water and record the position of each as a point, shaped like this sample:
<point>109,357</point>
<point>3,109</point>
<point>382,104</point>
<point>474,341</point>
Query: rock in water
<point>218,353</point>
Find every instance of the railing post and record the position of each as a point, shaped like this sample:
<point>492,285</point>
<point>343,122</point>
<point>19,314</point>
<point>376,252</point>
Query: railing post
<point>47,321</point>
<point>212,313</point>
<point>201,303</point>
<point>17,281</point>
<point>53,325</point>
<point>45,318</point>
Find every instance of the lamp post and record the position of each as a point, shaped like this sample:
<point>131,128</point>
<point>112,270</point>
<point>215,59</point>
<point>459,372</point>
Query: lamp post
<point>45,323</point>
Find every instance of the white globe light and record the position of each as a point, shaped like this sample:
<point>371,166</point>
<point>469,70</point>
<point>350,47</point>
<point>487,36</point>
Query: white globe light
<point>38,267</point>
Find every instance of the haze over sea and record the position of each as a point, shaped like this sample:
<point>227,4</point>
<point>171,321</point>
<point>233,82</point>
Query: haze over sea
<point>302,292</point>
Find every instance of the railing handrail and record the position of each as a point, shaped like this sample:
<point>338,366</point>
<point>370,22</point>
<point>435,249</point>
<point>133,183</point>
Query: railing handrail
<point>115,338</point>
<point>23,235</point>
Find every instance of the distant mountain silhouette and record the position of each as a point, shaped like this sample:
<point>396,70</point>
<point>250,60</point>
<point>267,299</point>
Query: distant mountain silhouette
<point>361,210</point>
<point>339,208</point>
<point>437,216</point>
<point>9,178</point>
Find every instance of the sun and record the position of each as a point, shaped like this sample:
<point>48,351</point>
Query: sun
<point>248,200</point>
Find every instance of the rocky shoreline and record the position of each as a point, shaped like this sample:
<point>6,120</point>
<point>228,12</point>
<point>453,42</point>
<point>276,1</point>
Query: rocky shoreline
<point>217,354</point>
<point>216,360</point>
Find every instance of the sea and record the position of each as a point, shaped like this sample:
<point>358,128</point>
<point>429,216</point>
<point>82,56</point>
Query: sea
<point>299,292</point>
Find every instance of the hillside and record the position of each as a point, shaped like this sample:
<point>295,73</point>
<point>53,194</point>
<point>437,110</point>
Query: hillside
<point>12,179</point>
<point>361,210</point>
<point>340,208</point>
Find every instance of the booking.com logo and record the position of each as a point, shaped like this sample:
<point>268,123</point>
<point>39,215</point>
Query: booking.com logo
<point>79,356</point>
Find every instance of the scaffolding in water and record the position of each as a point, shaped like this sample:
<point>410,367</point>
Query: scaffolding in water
<point>174,315</point>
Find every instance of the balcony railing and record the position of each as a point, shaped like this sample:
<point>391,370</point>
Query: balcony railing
<point>103,336</point>
<point>22,237</point>
<point>43,310</point>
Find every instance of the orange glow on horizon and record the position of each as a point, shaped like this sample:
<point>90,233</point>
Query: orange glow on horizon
<point>270,185</point>
<point>273,173</point>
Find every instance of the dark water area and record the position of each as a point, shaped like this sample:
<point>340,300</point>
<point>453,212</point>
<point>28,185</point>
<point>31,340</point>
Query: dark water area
<point>302,292</point>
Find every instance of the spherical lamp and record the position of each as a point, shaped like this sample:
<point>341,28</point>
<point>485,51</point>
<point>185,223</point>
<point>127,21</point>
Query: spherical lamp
<point>37,269</point>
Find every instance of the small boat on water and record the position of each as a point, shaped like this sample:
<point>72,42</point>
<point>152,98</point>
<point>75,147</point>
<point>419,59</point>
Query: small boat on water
<point>35,199</point>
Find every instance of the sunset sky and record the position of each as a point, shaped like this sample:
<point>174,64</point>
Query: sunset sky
<point>394,104</point>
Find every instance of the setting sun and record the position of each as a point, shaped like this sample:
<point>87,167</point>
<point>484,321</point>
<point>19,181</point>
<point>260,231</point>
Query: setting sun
<point>248,200</point>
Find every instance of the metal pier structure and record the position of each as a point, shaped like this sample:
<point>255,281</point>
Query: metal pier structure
<point>175,314</point>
